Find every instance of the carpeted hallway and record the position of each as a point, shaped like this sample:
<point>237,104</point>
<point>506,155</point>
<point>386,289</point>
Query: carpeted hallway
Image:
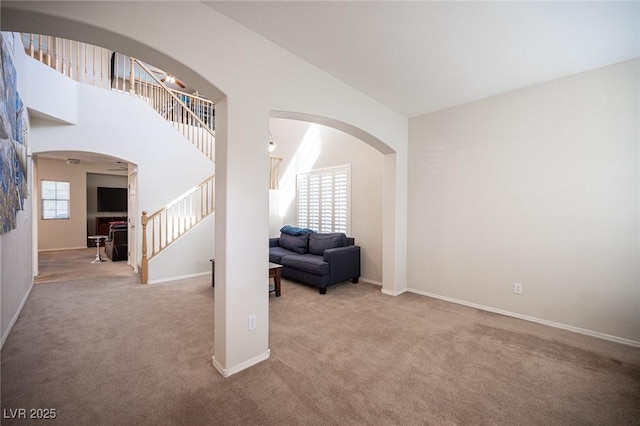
<point>100,348</point>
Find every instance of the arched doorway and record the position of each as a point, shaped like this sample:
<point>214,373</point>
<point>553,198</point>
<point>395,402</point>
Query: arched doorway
<point>305,147</point>
<point>217,50</point>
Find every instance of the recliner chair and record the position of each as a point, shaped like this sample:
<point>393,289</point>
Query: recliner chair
<point>116,245</point>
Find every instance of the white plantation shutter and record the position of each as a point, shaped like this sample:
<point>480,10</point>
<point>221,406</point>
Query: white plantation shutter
<point>326,207</point>
<point>314,202</point>
<point>324,199</point>
<point>341,216</point>
<point>303,201</point>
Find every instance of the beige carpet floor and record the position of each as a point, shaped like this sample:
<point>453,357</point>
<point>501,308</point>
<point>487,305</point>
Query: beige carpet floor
<point>100,348</point>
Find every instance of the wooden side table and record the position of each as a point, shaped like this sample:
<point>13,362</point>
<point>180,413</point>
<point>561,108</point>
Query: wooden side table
<point>275,272</point>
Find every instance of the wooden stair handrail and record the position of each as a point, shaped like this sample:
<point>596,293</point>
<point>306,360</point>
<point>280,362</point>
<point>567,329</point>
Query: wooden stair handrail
<point>177,200</point>
<point>144,266</point>
<point>173,95</point>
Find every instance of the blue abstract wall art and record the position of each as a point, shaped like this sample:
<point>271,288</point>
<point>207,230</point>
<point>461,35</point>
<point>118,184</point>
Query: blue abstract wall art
<point>13,164</point>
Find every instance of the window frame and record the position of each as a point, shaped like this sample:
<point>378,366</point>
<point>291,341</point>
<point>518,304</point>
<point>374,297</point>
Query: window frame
<point>56,200</point>
<point>312,210</point>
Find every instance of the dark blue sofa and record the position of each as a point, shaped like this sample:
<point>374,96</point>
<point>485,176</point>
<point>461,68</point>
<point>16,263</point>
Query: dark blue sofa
<point>317,259</point>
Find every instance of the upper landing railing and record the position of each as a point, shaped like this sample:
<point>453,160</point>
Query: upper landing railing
<point>191,115</point>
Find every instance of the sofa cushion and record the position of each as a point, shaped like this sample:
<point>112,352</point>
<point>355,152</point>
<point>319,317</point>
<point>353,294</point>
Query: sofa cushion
<point>276,253</point>
<point>318,243</point>
<point>297,243</point>
<point>306,262</point>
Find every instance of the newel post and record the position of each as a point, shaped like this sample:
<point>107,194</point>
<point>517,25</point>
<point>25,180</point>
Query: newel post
<point>144,273</point>
<point>132,81</point>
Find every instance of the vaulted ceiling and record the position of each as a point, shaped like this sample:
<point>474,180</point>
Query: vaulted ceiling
<point>418,57</point>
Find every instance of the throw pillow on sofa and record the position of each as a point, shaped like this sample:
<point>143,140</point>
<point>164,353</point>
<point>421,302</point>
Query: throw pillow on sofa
<point>318,243</point>
<point>294,230</point>
<point>297,243</point>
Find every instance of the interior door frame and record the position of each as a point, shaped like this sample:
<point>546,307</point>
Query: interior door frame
<point>132,258</point>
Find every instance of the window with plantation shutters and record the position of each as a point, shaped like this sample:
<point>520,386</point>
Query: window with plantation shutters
<point>324,199</point>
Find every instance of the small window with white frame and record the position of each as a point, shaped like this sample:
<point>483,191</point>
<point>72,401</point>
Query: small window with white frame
<point>324,199</point>
<point>55,196</point>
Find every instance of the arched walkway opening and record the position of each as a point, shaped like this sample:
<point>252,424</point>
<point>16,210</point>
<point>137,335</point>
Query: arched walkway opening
<point>243,100</point>
<point>305,143</point>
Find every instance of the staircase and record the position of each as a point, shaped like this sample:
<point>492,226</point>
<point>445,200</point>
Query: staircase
<point>191,115</point>
<point>168,224</point>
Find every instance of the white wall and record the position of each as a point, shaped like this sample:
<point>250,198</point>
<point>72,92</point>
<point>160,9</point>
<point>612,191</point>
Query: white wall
<point>188,256</point>
<point>303,147</point>
<point>541,187</point>
<point>16,275</point>
<point>16,267</point>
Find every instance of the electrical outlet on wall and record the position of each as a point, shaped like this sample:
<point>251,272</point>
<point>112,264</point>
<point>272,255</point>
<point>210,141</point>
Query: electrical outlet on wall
<point>517,288</point>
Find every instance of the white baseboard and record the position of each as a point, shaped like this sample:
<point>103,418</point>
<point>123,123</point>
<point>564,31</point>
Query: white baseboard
<point>65,248</point>
<point>15,317</point>
<point>393,293</point>
<point>367,280</point>
<point>226,372</point>
<point>180,277</point>
<point>591,333</point>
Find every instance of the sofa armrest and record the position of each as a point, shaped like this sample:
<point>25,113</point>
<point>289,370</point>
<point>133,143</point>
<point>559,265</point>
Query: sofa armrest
<point>344,263</point>
<point>274,242</point>
<point>332,254</point>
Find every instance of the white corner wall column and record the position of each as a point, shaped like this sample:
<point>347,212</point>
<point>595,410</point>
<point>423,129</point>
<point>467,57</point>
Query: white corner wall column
<point>394,219</point>
<point>241,228</point>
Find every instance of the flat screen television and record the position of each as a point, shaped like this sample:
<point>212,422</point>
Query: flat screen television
<point>112,199</point>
